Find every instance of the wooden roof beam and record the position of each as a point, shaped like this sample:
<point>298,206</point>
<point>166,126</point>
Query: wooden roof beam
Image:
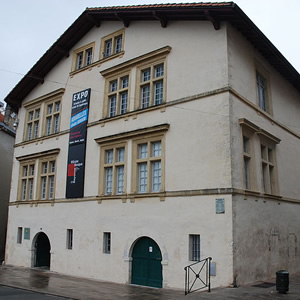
<point>125,21</point>
<point>96,22</point>
<point>36,77</point>
<point>62,51</point>
<point>163,21</point>
<point>209,17</point>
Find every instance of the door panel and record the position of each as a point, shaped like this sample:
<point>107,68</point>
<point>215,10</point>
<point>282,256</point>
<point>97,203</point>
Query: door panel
<point>146,263</point>
<point>42,246</point>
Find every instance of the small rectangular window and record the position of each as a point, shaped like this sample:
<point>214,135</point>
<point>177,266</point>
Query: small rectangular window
<point>118,44</point>
<point>70,239</point>
<point>19,235</point>
<point>194,247</point>
<point>108,48</point>
<point>106,242</point>
<point>220,206</point>
<point>79,60</point>
<point>83,57</point>
<point>112,44</point>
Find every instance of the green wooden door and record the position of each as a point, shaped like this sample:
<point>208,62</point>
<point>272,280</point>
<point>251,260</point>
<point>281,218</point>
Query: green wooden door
<point>146,263</point>
<point>42,247</point>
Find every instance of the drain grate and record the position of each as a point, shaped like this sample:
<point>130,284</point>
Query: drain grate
<point>265,285</point>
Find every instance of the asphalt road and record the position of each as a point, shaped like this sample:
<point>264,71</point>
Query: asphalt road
<point>9,293</point>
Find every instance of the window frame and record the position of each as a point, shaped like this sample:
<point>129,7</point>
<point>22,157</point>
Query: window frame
<point>118,92</point>
<point>107,242</point>
<point>269,179</point>
<point>194,247</point>
<point>28,178</point>
<point>51,115</point>
<point>20,235</point>
<point>114,165</point>
<point>113,39</point>
<point>69,239</point>
<point>250,157</point>
<point>32,122</point>
<point>37,159</point>
<point>263,87</point>
<point>150,82</point>
<point>47,175</point>
<point>86,58</point>
<point>41,105</point>
<point>149,162</point>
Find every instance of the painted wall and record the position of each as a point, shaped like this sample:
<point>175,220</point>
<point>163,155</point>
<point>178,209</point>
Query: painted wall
<point>266,238</point>
<point>168,222</point>
<point>265,230</point>
<point>203,155</point>
<point>243,61</point>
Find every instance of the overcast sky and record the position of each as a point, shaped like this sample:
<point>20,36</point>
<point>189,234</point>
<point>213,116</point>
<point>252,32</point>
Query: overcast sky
<point>29,27</point>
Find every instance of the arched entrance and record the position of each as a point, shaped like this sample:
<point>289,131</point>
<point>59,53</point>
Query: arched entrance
<point>42,251</point>
<point>146,263</point>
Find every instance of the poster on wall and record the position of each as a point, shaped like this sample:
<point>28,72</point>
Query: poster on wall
<point>77,144</point>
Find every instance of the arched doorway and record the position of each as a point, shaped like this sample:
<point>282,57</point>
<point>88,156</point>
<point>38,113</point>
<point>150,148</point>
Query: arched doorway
<point>42,251</point>
<point>146,263</point>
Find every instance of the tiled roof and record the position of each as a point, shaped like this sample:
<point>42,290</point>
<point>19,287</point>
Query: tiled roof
<point>215,12</point>
<point>168,5</point>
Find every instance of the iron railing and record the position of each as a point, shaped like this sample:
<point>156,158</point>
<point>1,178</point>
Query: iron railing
<point>197,276</point>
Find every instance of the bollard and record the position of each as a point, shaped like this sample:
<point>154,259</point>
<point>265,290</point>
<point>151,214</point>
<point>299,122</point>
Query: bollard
<point>282,281</point>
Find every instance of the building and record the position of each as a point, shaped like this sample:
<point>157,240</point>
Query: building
<point>7,140</point>
<point>154,136</point>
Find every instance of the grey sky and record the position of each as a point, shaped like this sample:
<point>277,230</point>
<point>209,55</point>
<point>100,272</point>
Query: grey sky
<point>29,27</point>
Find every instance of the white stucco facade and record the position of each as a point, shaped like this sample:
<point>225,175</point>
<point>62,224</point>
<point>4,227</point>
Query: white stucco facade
<point>210,101</point>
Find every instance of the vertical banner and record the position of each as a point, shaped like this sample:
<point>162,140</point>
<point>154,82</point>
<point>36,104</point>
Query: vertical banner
<point>77,144</point>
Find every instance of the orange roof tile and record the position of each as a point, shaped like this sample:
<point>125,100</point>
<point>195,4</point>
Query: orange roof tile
<point>168,5</point>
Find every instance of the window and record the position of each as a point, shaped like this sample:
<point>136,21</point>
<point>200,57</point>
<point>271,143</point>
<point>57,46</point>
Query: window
<point>268,169</point>
<point>52,116</point>
<point>19,235</point>
<point>106,242</point>
<point>117,95</point>
<point>113,158</point>
<point>83,57</point>
<point>248,174</point>
<point>247,159</point>
<point>27,180</point>
<point>70,239</point>
<point>262,92</point>
<point>151,85</point>
<point>149,166</point>
<point>220,206</point>
<point>47,176</point>
<point>32,123</point>
<point>43,115</point>
<point>112,44</point>
<point>194,247</point>
<point>37,175</point>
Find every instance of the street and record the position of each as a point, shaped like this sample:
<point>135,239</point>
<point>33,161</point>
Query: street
<point>9,293</point>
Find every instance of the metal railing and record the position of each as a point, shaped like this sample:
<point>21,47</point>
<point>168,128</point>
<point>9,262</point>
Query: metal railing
<point>197,276</point>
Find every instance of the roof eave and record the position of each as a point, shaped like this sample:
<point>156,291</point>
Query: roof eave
<point>228,12</point>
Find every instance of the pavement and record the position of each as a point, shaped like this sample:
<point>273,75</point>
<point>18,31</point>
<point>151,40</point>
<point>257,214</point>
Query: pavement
<point>71,287</point>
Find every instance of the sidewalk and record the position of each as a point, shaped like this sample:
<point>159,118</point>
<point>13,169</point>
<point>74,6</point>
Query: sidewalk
<point>80,288</point>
